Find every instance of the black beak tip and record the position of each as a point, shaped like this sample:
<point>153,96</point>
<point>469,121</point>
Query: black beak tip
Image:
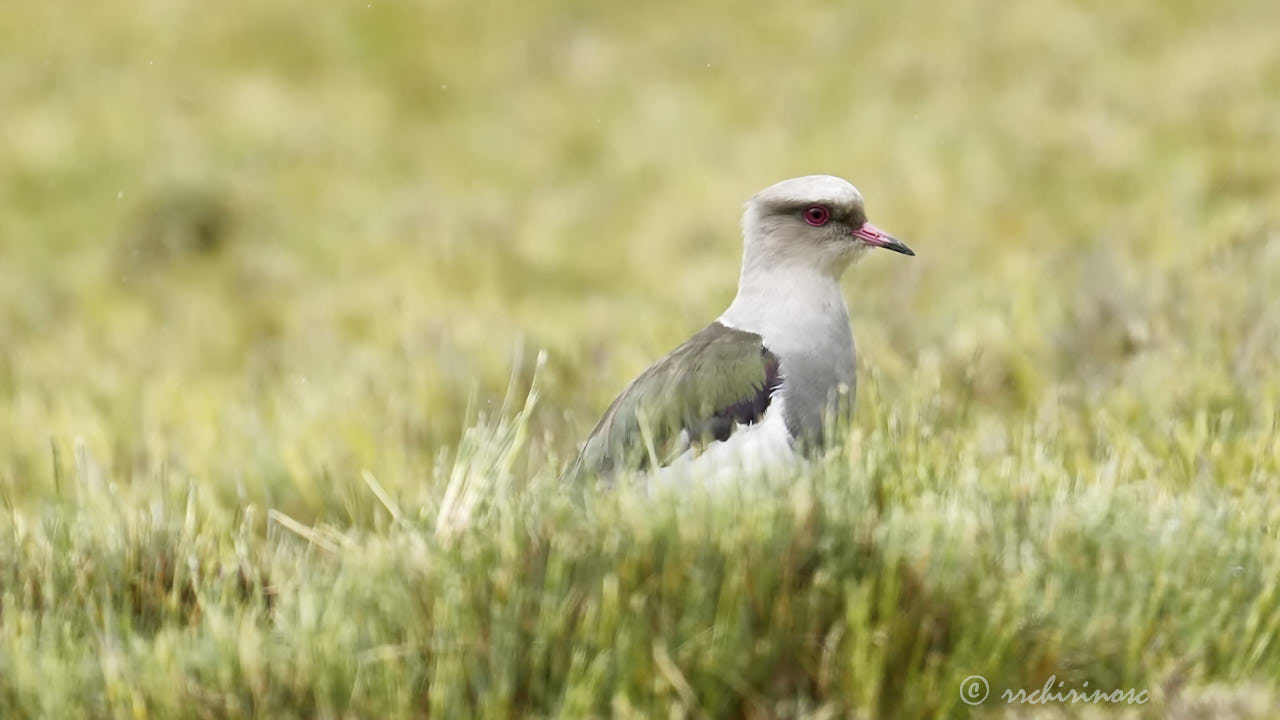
<point>900,247</point>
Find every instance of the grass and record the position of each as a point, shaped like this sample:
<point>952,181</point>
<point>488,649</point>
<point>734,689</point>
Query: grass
<point>302,309</point>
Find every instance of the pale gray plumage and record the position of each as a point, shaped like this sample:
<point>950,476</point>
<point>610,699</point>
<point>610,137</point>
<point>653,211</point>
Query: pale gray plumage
<point>783,348</point>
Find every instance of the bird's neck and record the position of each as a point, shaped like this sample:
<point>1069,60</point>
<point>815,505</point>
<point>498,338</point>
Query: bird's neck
<point>801,316</point>
<point>793,308</point>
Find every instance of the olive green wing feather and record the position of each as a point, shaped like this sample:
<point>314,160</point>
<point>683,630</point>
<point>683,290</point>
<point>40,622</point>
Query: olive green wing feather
<point>720,378</point>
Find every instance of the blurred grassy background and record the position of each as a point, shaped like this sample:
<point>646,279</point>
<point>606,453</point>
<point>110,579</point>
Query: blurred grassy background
<point>259,247</point>
<point>258,230</point>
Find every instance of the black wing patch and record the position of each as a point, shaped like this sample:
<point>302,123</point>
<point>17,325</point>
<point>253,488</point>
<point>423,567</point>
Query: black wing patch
<point>746,411</point>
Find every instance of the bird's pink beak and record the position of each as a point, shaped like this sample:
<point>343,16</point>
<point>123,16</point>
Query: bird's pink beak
<point>875,237</point>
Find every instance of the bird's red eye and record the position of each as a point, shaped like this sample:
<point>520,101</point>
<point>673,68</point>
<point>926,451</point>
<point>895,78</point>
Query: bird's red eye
<point>816,215</point>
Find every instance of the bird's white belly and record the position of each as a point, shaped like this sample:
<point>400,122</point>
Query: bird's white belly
<point>749,450</point>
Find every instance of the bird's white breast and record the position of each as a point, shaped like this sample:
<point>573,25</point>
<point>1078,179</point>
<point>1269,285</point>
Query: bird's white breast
<point>750,450</point>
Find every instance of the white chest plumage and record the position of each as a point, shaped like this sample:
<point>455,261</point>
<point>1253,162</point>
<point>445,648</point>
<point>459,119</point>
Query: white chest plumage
<point>749,450</point>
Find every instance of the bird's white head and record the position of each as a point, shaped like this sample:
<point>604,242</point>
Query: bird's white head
<point>816,222</point>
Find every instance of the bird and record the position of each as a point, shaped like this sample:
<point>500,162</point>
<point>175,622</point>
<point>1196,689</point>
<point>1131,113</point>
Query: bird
<point>767,380</point>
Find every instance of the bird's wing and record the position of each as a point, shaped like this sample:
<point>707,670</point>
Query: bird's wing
<point>700,392</point>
